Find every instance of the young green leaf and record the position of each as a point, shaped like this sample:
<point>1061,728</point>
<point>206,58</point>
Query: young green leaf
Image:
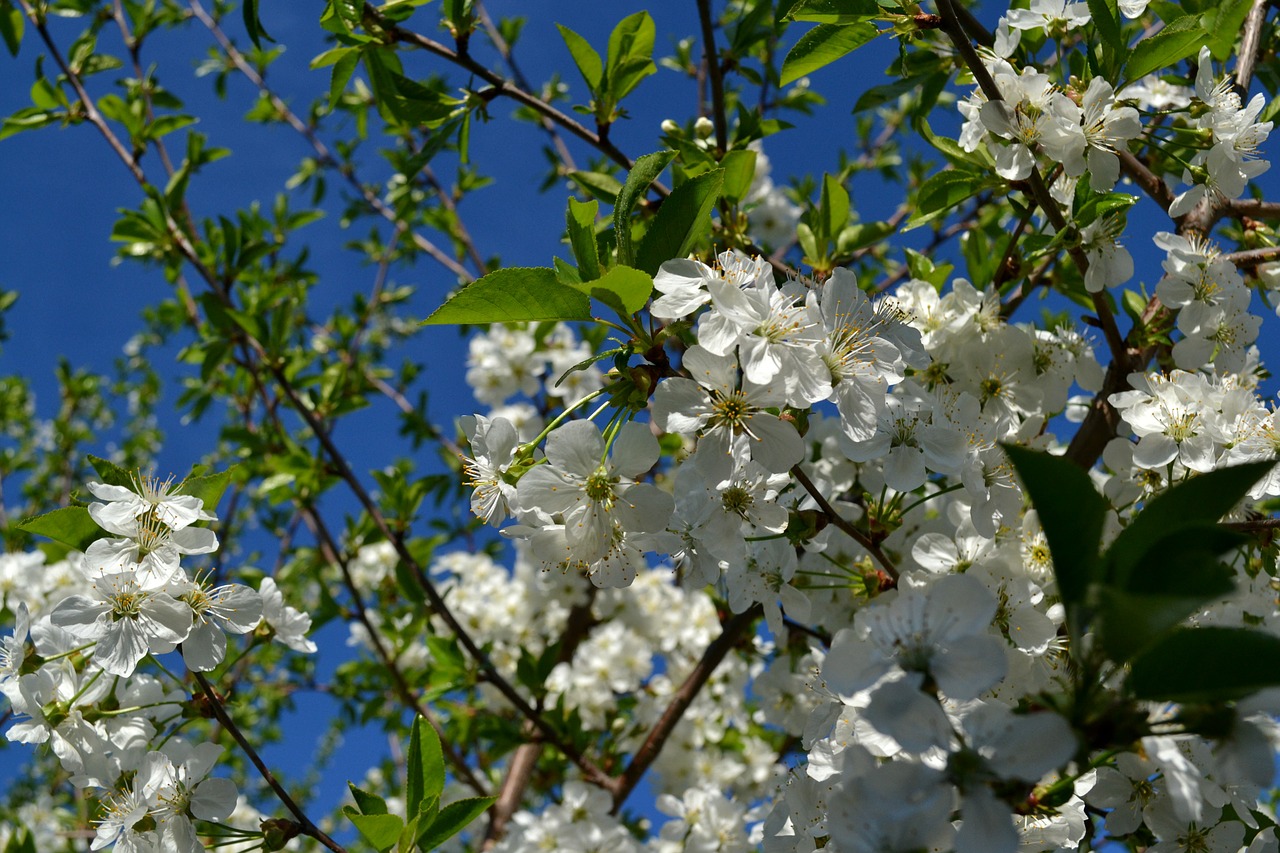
<point>513,295</point>
<point>823,45</point>
<point>739,168</point>
<point>111,473</point>
<point>630,57</point>
<point>942,192</point>
<point>12,22</point>
<point>580,223</point>
<point>622,288</point>
<point>584,56</point>
<point>1106,20</point>
<point>367,803</point>
<point>835,11</point>
<point>208,487</point>
<point>382,831</point>
<point>253,25</point>
<point>452,819</point>
<point>684,215</point>
<point>644,172</point>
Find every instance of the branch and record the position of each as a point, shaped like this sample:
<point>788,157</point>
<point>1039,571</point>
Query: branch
<point>525,760</point>
<point>714,74</point>
<point>506,88</point>
<point>323,155</point>
<point>307,827</point>
<point>1250,43</point>
<point>623,785</point>
<point>329,551</point>
<point>839,521</point>
<point>504,50</point>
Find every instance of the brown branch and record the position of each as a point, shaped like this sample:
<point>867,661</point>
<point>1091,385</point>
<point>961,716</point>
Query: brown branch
<point>329,551</point>
<point>502,87</point>
<point>305,823</point>
<point>1254,208</point>
<point>1250,43</point>
<point>843,524</point>
<point>508,56</point>
<point>714,76</point>
<point>525,759</point>
<point>1253,257</point>
<point>623,785</point>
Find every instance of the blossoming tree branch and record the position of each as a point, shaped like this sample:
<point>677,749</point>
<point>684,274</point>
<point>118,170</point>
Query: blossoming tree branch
<point>803,518</point>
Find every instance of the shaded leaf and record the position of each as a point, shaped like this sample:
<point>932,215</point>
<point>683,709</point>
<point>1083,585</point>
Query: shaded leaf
<point>1206,665</point>
<point>1071,513</point>
<point>452,819</point>
<point>580,224</point>
<point>684,215</point>
<point>380,830</point>
<point>1201,499</point>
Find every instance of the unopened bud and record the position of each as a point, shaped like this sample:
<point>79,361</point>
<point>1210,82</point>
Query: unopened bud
<point>703,127</point>
<point>670,127</point>
<point>278,832</point>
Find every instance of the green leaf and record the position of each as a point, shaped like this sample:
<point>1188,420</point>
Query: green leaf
<point>863,234</point>
<point>341,75</point>
<point>513,295</point>
<point>430,765</point>
<point>380,830</point>
<point>252,24</point>
<point>1106,19</point>
<point>584,56</point>
<point>1176,42</point>
<point>580,222</point>
<point>12,23</point>
<point>452,819</point>
<point>415,783</point>
<point>1176,579</point>
<point>942,192</point>
<point>833,209</point>
<point>21,842</point>
<point>630,57</point>
<point>600,185</point>
<point>739,169</point>
<point>367,803</point>
<point>823,45</point>
<point>1072,514</point>
<point>70,525</point>
<point>1206,665</point>
<point>111,473</point>
<point>684,215</point>
<point>207,487</point>
<point>1202,499</point>
<point>1224,25</point>
<point>622,288</point>
<point>835,11</point>
<point>644,172</point>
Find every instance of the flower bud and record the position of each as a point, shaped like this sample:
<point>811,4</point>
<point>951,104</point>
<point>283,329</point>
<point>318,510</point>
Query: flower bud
<point>670,127</point>
<point>703,127</point>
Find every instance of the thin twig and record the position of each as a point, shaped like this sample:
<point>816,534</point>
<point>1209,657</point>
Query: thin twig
<point>224,718</point>
<point>839,521</point>
<point>323,155</point>
<point>714,76</point>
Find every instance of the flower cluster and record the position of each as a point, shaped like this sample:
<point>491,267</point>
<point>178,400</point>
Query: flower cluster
<point>72,673</point>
